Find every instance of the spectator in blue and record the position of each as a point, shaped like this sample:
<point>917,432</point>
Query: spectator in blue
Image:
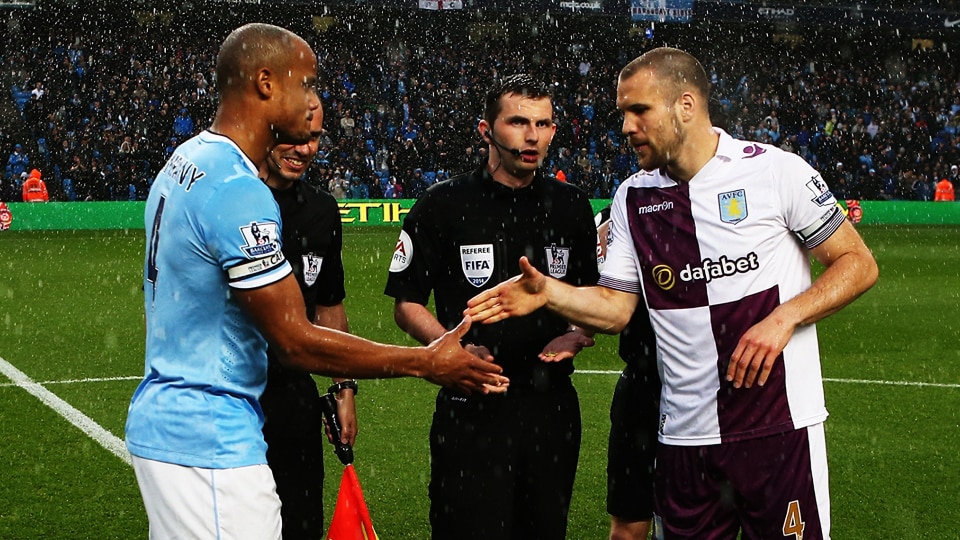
<point>183,124</point>
<point>17,163</point>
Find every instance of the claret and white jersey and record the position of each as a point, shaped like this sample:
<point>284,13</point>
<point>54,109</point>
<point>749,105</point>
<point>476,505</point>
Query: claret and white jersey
<point>212,226</point>
<point>712,257</point>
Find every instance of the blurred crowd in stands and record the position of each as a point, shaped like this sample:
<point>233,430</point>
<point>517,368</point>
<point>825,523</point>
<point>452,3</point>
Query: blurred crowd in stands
<point>99,112</point>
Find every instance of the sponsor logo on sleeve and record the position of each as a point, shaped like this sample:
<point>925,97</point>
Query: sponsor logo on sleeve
<point>558,259</point>
<point>477,263</point>
<point>402,253</point>
<point>733,206</point>
<point>821,194</point>
<point>311,268</point>
<point>261,239</point>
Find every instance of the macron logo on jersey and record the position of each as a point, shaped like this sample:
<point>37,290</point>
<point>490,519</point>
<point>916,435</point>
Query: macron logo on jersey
<point>654,208</point>
<point>753,151</point>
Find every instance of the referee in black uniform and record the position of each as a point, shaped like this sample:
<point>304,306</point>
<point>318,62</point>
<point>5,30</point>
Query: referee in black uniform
<point>634,421</point>
<point>293,426</point>
<point>502,466</point>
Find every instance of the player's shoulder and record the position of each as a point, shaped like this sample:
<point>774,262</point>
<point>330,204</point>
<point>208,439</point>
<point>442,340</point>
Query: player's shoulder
<point>644,178</point>
<point>744,152</point>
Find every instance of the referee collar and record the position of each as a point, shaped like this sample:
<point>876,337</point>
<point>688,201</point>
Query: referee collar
<point>497,187</point>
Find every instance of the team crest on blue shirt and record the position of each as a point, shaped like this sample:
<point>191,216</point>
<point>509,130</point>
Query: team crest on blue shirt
<point>733,206</point>
<point>477,263</point>
<point>262,239</point>
<point>311,268</point>
<point>821,193</point>
<point>558,259</point>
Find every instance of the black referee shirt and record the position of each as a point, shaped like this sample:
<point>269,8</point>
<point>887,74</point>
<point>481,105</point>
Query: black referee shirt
<point>312,242</point>
<point>467,234</point>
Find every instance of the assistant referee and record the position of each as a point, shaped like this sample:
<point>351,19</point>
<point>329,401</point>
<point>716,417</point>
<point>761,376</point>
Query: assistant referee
<point>293,420</point>
<point>502,466</point>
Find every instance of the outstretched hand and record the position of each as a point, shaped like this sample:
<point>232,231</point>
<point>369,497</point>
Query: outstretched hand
<point>454,367</point>
<point>565,346</point>
<point>517,296</point>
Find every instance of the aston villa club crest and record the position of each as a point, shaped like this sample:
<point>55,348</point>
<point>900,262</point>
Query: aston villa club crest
<point>477,263</point>
<point>558,260</point>
<point>262,239</point>
<point>311,268</point>
<point>733,206</point>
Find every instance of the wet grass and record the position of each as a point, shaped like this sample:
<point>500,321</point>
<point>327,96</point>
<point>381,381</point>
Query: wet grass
<point>71,308</point>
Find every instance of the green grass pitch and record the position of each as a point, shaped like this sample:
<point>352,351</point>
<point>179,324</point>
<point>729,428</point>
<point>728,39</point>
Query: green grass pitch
<point>71,318</point>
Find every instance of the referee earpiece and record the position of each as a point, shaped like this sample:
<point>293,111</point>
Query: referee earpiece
<point>490,139</point>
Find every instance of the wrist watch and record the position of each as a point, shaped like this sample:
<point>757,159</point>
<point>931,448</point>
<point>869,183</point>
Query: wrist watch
<point>349,383</point>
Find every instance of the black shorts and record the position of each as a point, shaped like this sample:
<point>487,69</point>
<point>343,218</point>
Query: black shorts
<point>632,446</point>
<point>503,467</point>
<point>295,438</point>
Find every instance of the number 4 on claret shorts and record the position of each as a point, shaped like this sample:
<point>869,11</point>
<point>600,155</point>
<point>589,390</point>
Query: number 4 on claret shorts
<point>793,523</point>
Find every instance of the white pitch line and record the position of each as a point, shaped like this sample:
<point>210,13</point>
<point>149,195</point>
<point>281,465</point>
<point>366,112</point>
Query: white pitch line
<point>94,430</point>
<point>112,443</point>
<point>847,381</point>
<point>75,381</point>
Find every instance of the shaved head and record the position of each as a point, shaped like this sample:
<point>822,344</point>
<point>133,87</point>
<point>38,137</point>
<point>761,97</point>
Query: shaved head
<point>676,70</point>
<point>250,48</point>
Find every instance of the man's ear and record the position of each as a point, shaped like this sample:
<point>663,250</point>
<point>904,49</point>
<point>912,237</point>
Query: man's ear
<point>263,80</point>
<point>688,104</point>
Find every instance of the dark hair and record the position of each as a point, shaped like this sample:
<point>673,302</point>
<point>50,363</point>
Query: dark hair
<point>520,83</point>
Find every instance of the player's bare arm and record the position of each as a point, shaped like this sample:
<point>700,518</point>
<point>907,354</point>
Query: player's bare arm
<point>850,270</point>
<point>421,324</point>
<point>277,310</point>
<point>595,308</point>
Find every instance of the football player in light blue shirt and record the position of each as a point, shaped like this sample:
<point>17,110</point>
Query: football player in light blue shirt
<point>217,289</point>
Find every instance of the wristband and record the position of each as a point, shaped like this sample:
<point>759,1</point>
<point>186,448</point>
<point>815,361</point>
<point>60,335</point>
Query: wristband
<point>342,385</point>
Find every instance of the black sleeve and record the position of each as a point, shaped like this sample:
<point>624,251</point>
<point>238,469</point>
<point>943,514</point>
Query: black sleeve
<point>330,281</point>
<point>585,261</point>
<point>409,275</point>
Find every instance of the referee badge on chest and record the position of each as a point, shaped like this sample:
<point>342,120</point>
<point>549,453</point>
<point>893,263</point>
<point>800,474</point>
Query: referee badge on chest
<point>477,263</point>
<point>558,259</point>
<point>311,268</point>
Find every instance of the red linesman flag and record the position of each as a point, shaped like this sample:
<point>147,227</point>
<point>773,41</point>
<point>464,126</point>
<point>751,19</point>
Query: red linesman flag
<point>351,519</point>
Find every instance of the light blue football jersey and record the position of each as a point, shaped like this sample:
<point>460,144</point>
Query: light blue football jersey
<point>212,226</point>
